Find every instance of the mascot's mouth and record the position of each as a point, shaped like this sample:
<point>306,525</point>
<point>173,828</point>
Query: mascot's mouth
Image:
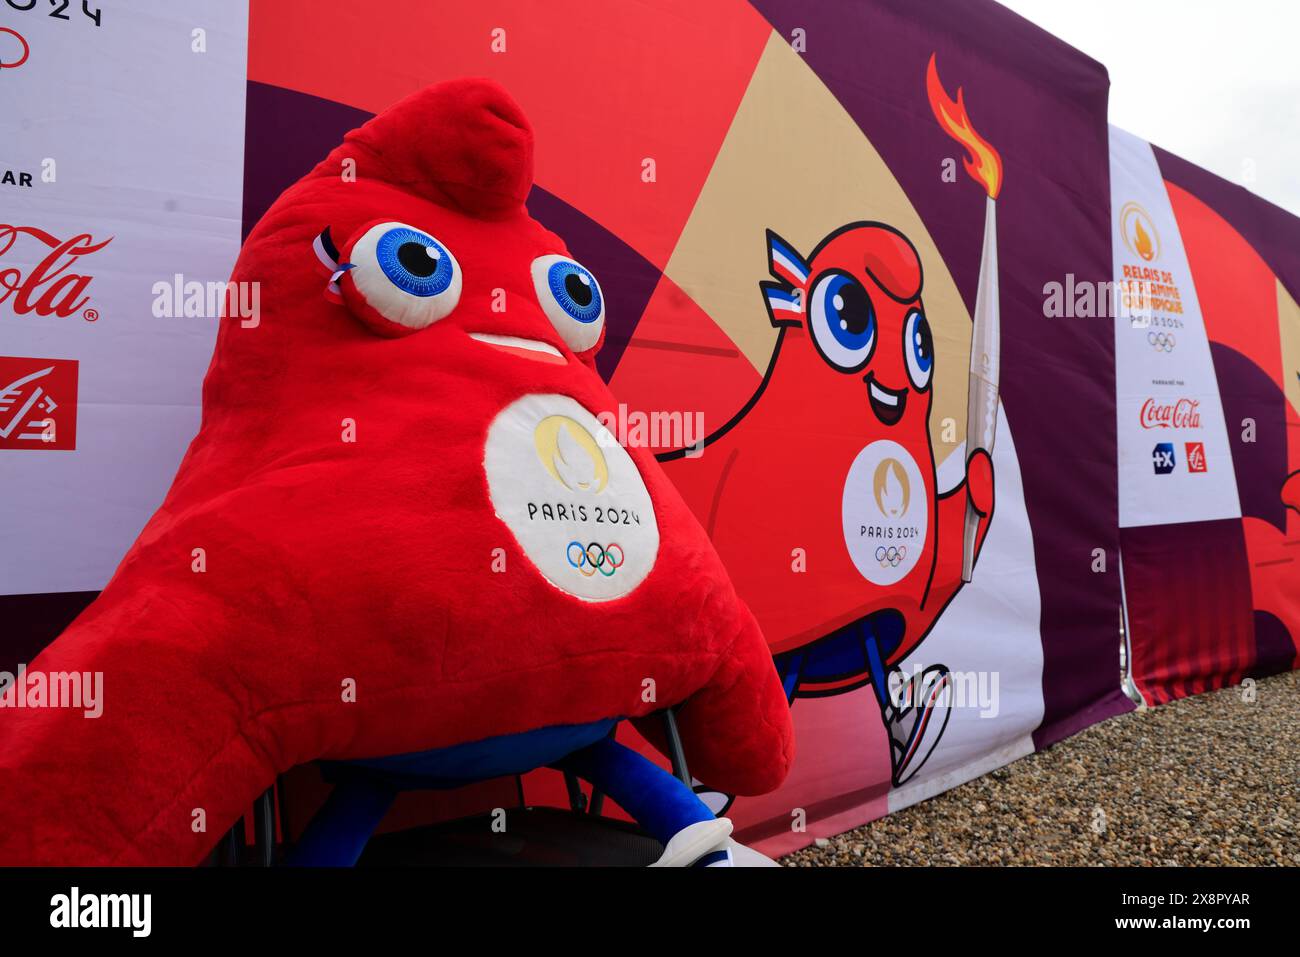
<point>888,404</point>
<point>528,348</point>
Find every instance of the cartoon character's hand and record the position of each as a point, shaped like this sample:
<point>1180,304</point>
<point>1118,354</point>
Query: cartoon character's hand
<point>979,481</point>
<point>1291,491</point>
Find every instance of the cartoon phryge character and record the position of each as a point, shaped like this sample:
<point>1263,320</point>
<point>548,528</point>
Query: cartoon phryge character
<point>401,531</point>
<point>847,394</point>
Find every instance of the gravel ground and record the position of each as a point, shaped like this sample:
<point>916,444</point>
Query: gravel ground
<point>1211,779</point>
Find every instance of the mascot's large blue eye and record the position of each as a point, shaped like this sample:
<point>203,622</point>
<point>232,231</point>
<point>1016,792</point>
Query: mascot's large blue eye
<point>399,279</point>
<point>842,321</point>
<point>575,290</point>
<point>918,349</point>
<point>414,262</point>
<point>571,298</point>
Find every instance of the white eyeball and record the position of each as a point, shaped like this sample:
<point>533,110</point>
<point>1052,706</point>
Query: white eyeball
<point>404,276</point>
<point>571,299</point>
<point>918,349</point>
<point>842,321</point>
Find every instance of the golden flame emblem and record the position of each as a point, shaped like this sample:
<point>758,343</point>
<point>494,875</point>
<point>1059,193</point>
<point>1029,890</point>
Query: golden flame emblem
<point>571,454</point>
<point>1139,232</point>
<point>891,489</point>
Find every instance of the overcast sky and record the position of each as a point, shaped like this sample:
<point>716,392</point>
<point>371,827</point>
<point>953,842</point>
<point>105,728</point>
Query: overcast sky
<point>1216,82</point>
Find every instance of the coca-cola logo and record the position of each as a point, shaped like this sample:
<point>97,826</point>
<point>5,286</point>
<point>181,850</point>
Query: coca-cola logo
<point>53,287</point>
<point>1182,414</point>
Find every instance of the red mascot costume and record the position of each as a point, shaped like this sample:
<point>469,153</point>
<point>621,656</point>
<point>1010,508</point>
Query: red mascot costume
<point>401,537</point>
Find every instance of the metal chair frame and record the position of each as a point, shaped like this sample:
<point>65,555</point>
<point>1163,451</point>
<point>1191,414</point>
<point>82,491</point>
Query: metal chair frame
<point>230,851</point>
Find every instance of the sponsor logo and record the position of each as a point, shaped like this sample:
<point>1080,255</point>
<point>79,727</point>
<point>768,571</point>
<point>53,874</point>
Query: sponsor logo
<point>15,178</point>
<point>1195,452</point>
<point>38,403</point>
<point>1182,414</point>
<point>14,49</point>
<point>51,287</point>
<point>1162,458</point>
<point>1139,232</point>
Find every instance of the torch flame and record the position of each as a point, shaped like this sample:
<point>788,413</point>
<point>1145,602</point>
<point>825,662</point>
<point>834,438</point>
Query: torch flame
<point>1143,242</point>
<point>984,164</point>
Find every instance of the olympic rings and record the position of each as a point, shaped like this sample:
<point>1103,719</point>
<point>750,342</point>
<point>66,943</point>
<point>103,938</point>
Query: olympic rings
<point>1161,341</point>
<point>602,559</point>
<point>889,556</point>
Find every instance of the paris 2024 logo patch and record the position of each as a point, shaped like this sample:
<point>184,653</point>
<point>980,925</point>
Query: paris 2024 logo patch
<point>572,496</point>
<point>885,512</point>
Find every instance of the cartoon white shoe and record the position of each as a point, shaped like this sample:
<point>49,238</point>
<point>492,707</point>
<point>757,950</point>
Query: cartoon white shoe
<point>917,721</point>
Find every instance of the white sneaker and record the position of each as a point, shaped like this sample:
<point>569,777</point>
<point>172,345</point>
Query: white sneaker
<point>738,855</point>
<point>694,841</point>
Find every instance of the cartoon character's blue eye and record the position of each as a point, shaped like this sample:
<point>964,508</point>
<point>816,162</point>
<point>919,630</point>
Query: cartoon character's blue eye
<point>406,279</point>
<point>842,321</point>
<point>414,262</point>
<point>918,349</point>
<point>571,299</point>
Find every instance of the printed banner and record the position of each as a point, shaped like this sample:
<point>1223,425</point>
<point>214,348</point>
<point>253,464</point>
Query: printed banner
<point>1174,461</point>
<point>1208,461</point>
<point>831,425</point>
<point>853,257</point>
<point>123,130</point>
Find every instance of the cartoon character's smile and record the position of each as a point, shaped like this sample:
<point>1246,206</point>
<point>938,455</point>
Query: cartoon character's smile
<point>888,404</point>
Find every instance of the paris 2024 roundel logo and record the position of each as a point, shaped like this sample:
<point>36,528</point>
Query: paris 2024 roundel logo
<point>572,496</point>
<point>885,512</point>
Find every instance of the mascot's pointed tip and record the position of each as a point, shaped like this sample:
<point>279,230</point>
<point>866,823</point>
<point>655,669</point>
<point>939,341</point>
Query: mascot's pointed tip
<point>462,143</point>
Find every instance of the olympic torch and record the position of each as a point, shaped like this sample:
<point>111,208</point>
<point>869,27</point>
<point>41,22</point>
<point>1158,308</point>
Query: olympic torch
<point>985,167</point>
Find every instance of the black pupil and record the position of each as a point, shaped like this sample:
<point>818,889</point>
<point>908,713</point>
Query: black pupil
<point>416,259</point>
<point>578,290</point>
<point>923,343</point>
<point>856,314</point>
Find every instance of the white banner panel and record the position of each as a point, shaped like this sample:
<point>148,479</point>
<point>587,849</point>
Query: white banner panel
<point>1175,464</point>
<point>123,133</point>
